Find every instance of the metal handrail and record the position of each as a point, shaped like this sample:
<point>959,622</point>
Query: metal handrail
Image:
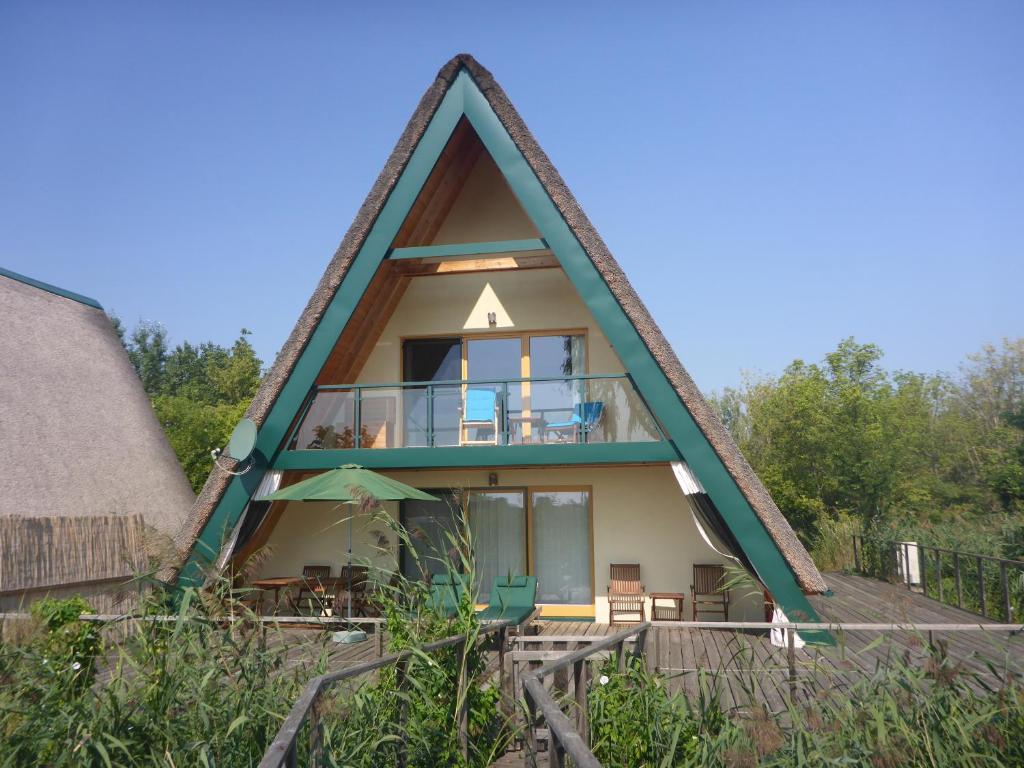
<point>891,558</point>
<point>282,750</point>
<point>430,388</point>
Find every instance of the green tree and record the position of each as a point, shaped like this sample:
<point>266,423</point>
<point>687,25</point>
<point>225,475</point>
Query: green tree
<point>199,392</point>
<point>934,456</point>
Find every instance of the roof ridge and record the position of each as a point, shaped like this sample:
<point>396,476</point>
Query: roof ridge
<point>50,288</point>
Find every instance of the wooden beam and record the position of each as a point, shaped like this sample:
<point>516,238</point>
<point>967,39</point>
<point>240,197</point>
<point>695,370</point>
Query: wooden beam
<point>426,269</point>
<point>468,249</point>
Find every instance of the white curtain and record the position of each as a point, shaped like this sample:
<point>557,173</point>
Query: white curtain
<point>779,635</point>
<point>271,482</point>
<point>561,544</point>
<point>497,522</point>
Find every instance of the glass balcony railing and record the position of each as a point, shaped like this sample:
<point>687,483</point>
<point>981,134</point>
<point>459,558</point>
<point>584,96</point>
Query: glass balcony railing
<point>573,409</point>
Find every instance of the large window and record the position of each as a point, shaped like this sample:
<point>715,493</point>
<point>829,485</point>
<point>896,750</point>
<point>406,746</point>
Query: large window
<point>545,532</point>
<point>497,522</point>
<point>433,530</point>
<point>562,546</point>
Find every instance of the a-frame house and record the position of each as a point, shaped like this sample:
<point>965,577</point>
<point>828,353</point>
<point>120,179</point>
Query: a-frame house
<point>474,337</point>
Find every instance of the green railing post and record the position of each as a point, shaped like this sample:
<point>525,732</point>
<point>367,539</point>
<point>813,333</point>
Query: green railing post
<point>504,413</point>
<point>357,416</point>
<point>430,415</point>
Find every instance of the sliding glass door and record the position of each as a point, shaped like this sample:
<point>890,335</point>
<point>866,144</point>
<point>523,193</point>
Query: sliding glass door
<point>429,360</point>
<point>562,549</point>
<point>544,532</point>
<point>433,530</point>
<point>497,523</point>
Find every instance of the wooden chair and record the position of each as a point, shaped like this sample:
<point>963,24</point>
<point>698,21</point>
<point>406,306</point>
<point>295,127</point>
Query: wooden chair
<point>312,588</point>
<point>361,597</point>
<point>625,593</point>
<point>708,594</point>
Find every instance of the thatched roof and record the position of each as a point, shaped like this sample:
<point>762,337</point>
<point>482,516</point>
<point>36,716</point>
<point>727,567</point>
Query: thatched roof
<point>78,436</point>
<point>764,507</point>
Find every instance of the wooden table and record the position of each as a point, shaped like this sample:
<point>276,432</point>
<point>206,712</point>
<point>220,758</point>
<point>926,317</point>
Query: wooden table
<point>537,423</point>
<point>677,599</point>
<point>276,584</point>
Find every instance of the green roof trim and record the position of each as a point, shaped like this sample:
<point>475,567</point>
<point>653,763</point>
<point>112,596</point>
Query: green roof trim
<point>51,288</point>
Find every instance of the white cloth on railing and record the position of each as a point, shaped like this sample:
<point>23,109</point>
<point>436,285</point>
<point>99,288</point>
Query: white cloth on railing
<point>779,638</point>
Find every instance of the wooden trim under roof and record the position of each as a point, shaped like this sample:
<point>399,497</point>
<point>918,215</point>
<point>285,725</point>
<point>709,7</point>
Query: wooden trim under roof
<point>435,200</point>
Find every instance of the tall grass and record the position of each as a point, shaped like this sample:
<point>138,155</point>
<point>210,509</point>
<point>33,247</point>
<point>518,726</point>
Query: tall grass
<point>417,712</point>
<point>212,686</point>
<point>933,715</point>
<point>195,691</point>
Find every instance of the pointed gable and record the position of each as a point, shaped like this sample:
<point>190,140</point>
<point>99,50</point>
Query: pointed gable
<point>463,131</point>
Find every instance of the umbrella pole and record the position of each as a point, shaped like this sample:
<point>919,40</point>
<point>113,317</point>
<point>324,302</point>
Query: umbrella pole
<point>350,571</point>
<point>350,635</point>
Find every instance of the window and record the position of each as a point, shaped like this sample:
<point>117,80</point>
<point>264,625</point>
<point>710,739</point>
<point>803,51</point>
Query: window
<point>562,546</point>
<point>497,522</point>
<point>432,528</point>
<point>545,532</point>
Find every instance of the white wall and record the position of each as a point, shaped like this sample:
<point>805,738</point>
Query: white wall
<point>640,515</point>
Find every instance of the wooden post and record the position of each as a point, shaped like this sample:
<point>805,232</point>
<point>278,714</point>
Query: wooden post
<point>316,734</point>
<point>378,640</point>
<point>560,679</point>
<point>938,571</point>
<point>556,755</point>
<point>655,656</point>
<point>620,656</point>
<point>1004,582</point>
<point>530,753</point>
<point>959,584</point>
<point>791,661</point>
<point>640,644</point>
<point>856,554</point>
<point>579,682</point>
<point>981,585</point>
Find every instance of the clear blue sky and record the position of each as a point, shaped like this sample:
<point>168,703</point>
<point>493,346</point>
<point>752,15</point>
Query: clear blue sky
<point>772,176</point>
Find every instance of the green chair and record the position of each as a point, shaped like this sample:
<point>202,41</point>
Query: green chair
<point>512,599</point>
<point>446,592</point>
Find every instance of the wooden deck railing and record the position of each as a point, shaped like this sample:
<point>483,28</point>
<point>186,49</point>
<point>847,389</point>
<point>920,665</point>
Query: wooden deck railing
<point>992,587</point>
<point>283,751</point>
<point>570,737</point>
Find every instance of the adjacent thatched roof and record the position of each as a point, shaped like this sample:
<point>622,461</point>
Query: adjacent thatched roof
<point>806,573</point>
<point>78,436</point>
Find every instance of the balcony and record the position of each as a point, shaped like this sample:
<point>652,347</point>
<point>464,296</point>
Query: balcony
<point>573,410</point>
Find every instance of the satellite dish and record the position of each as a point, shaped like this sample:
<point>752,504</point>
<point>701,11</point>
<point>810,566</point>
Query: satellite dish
<point>243,440</point>
<point>240,446</point>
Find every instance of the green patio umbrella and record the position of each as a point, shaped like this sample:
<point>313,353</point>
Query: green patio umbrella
<point>349,484</point>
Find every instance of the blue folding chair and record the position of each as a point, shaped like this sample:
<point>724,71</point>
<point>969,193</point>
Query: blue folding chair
<point>479,411</point>
<point>585,416</point>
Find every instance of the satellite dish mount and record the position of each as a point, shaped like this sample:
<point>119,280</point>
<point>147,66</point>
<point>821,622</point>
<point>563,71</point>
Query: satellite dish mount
<point>240,447</point>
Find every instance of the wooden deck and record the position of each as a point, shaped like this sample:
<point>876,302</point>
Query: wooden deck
<point>745,667</point>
